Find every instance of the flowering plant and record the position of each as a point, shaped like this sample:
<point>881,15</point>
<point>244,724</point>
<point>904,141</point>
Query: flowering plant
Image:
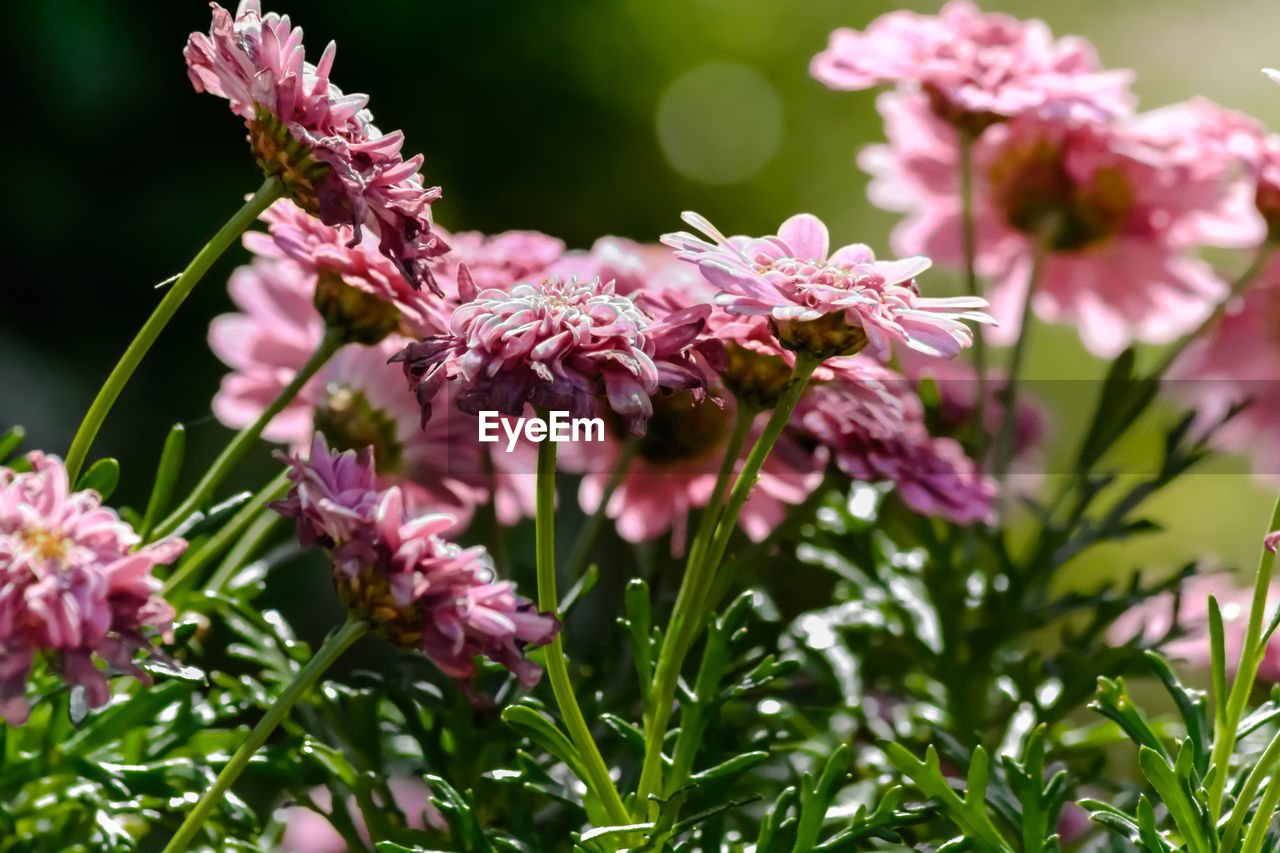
<point>820,567</point>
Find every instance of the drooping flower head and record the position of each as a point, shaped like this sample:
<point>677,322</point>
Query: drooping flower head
<point>395,571</point>
<point>826,306</point>
<point>1119,208</point>
<point>558,344</point>
<point>321,143</point>
<point>72,586</point>
<point>976,69</point>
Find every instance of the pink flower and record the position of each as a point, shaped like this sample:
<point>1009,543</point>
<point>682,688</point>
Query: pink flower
<point>790,279</point>
<point>72,586</point>
<point>975,68</point>
<point>932,475</point>
<point>356,399</point>
<point>322,143</point>
<point>557,344</point>
<point>414,588</point>
<point>1121,208</point>
<point>1272,541</point>
<point>308,831</point>
<point>324,252</point>
<point>1237,362</point>
<point>1151,621</point>
<point>498,260</point>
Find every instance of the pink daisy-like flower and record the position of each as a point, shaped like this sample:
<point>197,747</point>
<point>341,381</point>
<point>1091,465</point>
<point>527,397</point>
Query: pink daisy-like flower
<point>355,287</point>
<point>932,475</point>
<point>1121,209</point>
<point>322,143</point>
<point>72,586</point>
<point>826,305</point>
<point>1151,621</point>
<point>975,68</point>
<point>397,572</point>
<point>497,260</point>
<point>558,344</point>
<point>356,399</point>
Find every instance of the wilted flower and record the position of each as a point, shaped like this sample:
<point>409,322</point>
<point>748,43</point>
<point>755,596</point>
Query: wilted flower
<point>413,587</point>
<point>975,68</point>
<point>557,344</point>
<point>72,586</point>
<point>1119,210</point>
<point>824,305</point>
<point>321,143</point>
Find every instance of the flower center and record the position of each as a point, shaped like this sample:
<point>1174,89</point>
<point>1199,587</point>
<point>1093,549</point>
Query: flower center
<point>46,544</point>
<point>1030,185</point>
<point>350,422</point>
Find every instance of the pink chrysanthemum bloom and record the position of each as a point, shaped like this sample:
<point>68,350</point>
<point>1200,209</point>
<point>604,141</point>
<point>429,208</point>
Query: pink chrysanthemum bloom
<point>932,475</point>
<point>1151,621</point>
<point>356,399</point>
<point>557,344</point>
<point>322,143</point>
<point>976,69</point>
<point>497,260</point>
<point>413,587</point>
<point>356,288</point>
<point>1121,209</point>
<point>72,586</point>
<point>826,306</point>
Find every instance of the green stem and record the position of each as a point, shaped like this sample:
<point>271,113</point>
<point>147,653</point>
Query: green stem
<point>557,666</point>
<point>178,292</point>
<point>236,558</point>
<point>334,645</point>
<point>1224,741</point>
<point>969,242</point>
<point>586,539</point>
<point>1244,802</point>
<point>1261,823</point>
<point>688,616</point>
<point>244,439</point>
<point>229,531</point>
<point>1009,395</point>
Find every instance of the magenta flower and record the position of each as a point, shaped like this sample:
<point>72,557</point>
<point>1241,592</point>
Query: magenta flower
<point>558,344</point>
<point>1122,209</point>
<point>414,588</point>
<point>72,586</point>
<point>975,68</point>
<point>857,299</point>
<point>1272,541</point>
<point>322,143</point>
<point>933,476</point>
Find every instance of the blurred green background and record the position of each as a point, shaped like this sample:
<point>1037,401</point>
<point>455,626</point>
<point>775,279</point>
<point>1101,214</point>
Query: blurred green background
<point>576,118</point>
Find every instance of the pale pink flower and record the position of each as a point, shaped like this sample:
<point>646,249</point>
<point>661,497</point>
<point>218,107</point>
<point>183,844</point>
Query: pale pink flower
<point>1236,362</point>
<point>326,255</point>
<point>975,68</point>
<point>1151,621</point>
<point>308,831</point>
<point>415,588</point>
<point>1122,209</point>
<point>558,344</point>
<point>72,586</point>
<point>1272,541</point>
<point>357,399</point>
<point>497,260</point>
<point>790,279</point>
<point>322,143</point>
<point>933,476</point>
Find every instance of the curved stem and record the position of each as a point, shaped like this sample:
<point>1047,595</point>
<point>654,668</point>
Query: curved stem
<point>244,439</point>
<point>334,645</point>
<point>688,615</point>
<point>1266,762</point>
<point>1251,653</point>
<point>586,539</point>
<point>969,243</point>
<point>270,190</point>
<point>229,531</point>
<point>1261,823</point>
<point>557,666</point>
<point>265,521</point>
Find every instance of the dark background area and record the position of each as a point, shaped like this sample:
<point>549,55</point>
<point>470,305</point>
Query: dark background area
<point>577,118</point>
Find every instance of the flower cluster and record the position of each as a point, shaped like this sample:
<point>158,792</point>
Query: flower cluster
<point>74,585</point>
<point>395,571</point>
<point>320,142</point>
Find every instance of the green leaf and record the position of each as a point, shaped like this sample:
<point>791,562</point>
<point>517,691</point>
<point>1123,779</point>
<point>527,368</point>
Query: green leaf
<point>726,771</point>
<point>968,814</point>
<point>167,471</point>
<point>103,476</point>
<point>1113,701</point>
<point>207,522</point>
<point>543,731</point>
<point>584,585</point>
<point>1172,785</point>
<point>10,440</point>
<point>1190,705</point>
<point>639,629</point>
<point>1218,660</point>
